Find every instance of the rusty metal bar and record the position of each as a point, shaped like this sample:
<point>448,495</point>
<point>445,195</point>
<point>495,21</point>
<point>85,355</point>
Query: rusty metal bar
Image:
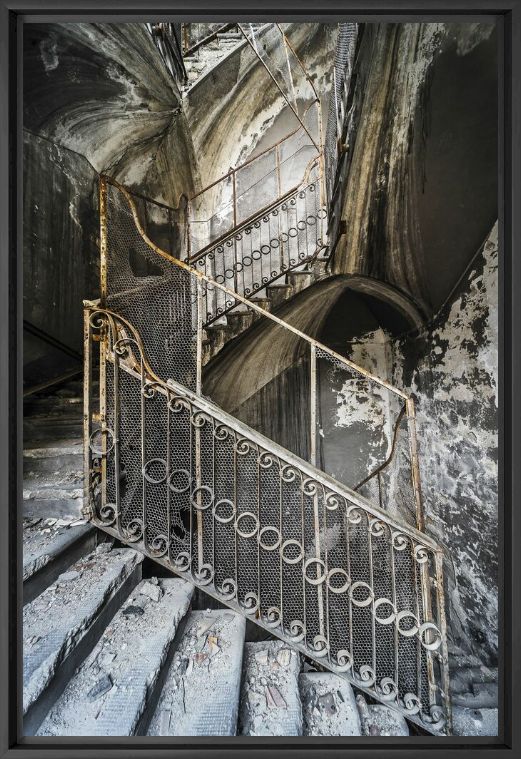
<point>278,87</point>
<point>87,401</point>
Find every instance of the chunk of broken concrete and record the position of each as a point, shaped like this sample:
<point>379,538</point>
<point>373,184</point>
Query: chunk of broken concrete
<point>136,611</point>
<point>261,657</point>
<point>68,576</point>
<point>102,686</point>
<point>105,547</point>
<point>274,698</point>
<point>284,657</point>
<point>151,591</point>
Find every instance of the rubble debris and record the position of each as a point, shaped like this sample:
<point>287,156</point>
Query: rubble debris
<point>131,610</point>
<point>103,685</point>
<point>152,591</point>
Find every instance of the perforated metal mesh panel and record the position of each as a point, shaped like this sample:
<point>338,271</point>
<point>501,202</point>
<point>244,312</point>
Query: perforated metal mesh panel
<point>255,526</point>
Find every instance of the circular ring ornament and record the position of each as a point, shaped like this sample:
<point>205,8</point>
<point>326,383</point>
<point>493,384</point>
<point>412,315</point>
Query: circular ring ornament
<point>205,574</point>
<point>404,615</point>
<point>266,546</point>
<point>344,660</point>
<point>99,451</point>
<point>388,690</point>
<point>296,631</point>
<point>411,703</point>
<point>384,620</point>
<point>159,546</point>
<point>286,545</point>
<point>146,471</point>
<point>228,589</point>
<point>108,513</point>
<point>366,601</point>
<point>223,502</point>
<point>273,617</point>
<point>321,577</point>
<point>256,254</point>
<point>320,646</point>
<point>182,561</point>
<point>195,492</point>
<point>250,603</point>
<point>334,573</point>
<point>242,533</point>
<point>436,643</point>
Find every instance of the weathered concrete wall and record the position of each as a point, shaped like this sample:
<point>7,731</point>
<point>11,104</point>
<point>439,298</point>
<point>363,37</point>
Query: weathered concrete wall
<point>246,104</point>
<point>61,257</point>
<point>103,91</point>
<point>97,98</point>
<point>451,370</point>
<point>422,156</point>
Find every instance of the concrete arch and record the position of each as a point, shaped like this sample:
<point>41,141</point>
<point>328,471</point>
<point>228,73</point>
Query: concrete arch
<point>266,351</point>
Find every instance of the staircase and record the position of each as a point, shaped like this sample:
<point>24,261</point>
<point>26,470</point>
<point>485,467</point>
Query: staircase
<point>210,49</point>
<point>253,526</point>
<point>107,678</point>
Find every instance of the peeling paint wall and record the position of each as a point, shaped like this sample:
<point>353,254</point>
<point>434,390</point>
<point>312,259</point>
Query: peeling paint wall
<point>451,370</point>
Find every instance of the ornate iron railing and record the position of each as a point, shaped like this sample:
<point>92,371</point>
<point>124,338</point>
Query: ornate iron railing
<point>349,584</point>
<point>283,237</point>
<point>245,192</point>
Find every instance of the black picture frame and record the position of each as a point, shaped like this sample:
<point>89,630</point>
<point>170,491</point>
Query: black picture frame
<point>13,13</point>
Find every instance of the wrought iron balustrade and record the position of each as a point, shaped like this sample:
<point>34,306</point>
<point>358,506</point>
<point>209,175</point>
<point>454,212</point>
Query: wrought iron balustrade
<point>349,584</point>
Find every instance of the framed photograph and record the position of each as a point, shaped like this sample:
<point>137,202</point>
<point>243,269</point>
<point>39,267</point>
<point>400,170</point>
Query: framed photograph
<point>260,272</point>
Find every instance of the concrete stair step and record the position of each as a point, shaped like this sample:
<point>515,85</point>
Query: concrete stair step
<point>50,405</point>
<point>58,459</point>
<point>239,321</point>
<point>381,720</point>
<point>49,549</point>
<point>483,696</point>
<point>200,695</point>
<point>39,430</point>
<point>480,722</point>
<point>262,302</point>
<point>61,625</point>
<point>108,694</point>
<point>299,280</point>
<point>279,293</point>
<point>328,705</point>
<point>270,699</point>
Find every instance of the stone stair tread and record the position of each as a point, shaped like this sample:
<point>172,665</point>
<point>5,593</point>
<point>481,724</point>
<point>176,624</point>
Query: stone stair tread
<point>108,693</point>
<point>481,695</point>
<point>270,700</point>
<point>73,447</point>
<point>56,620</point>
<point>328,705</point>
<point>200,695</point>
<point>380,720</point>
<point>43,543</point>
<point>471,722</point>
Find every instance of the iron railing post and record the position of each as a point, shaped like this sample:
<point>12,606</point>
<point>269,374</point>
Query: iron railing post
<point>87,401</point>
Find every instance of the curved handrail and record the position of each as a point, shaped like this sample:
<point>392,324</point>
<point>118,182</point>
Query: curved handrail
<point>266,442</point>
<point>203,277</point>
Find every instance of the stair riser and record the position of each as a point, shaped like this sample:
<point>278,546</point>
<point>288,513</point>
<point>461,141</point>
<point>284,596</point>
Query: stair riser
<point>47,575</point>
<point>40,708</point>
